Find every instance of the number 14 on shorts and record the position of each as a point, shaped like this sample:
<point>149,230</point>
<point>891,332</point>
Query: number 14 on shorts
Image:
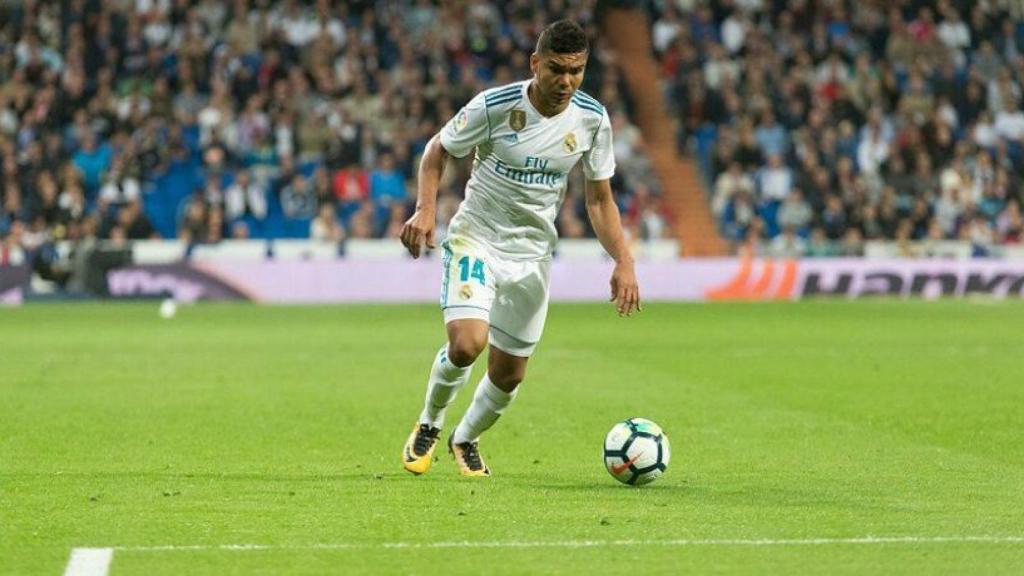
<point>472,268</point>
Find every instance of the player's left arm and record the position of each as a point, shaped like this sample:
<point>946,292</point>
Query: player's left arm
<point>604,215</point>
<point>598,168</point>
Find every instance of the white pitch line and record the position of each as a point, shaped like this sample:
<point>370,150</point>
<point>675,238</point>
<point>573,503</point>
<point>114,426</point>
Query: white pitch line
<point>863,540</point>
<point>96,561</point>
<point>89,562</point>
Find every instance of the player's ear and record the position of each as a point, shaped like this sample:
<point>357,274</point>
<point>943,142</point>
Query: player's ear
<point>534,63</point>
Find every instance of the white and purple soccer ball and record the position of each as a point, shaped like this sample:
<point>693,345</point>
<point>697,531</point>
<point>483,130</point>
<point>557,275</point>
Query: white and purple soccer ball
<point>636,451</point>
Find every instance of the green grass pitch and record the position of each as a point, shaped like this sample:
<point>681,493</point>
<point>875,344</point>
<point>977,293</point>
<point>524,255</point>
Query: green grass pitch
<point>282,427</point>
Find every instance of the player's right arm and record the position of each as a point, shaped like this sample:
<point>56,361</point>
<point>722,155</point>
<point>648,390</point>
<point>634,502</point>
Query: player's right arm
<point>419,229</point>
<point>467,130</point>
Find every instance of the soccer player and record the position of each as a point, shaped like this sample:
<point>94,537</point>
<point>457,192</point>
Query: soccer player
<point>527,135</point>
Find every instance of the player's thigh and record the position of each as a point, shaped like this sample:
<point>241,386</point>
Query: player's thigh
<point>520,310</point>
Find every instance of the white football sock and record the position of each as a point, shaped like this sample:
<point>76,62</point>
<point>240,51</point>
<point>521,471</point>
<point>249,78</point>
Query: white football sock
<point>489,403</point>
<point>444,383</point>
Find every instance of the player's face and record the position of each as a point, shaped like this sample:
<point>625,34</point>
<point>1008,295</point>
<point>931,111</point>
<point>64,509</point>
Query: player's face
<point>558,76</point>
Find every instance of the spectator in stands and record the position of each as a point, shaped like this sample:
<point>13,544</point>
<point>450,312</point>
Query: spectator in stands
<point>351,189</point>
<point>981,236</point>
<point>570,225</point>
<point>833,218</point>
<point>643,218</point>
<point>776,180</point>
<point>1009,224</point>
<point>325,227</point>
<point>323,189</point>
<point>133,222</point>
<point>819,245</point>
<point>869,224</point>
<point>873,151</point>
<point>730,185</point>
<point>45,202</point>
<point>795,213</point>
<point>245,201</point>
<point>194,226</point>
<point>788,244</point>
<point>361,223</point>
<point>387,187</point>
<point>12,253</point>
<point>118,188</point>
<point>853,244</point>
<point>214,224</point>
<point>770,136</point>
<point>741,220</point>
<point>748,152</point>
<point>92,159</point>
<point>1009,122</point>
<point>298,200</point>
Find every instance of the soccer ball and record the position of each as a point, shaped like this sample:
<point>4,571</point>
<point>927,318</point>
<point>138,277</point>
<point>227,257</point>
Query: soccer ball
<point>636,451</point>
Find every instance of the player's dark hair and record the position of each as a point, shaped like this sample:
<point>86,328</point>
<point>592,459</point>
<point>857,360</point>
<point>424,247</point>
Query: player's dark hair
<point>563,37</point>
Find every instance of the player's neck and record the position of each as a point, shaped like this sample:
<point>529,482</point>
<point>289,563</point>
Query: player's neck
<point>533,93</point>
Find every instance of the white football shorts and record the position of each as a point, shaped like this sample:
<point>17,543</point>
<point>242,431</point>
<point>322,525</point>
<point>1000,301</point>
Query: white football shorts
<point>510,295</point>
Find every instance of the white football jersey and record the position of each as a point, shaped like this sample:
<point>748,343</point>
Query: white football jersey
<point>522,166</point>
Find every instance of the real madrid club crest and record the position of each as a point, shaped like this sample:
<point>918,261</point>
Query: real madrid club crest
<point>570,142</point>
<point>517,119</point>
<point>465,292</point>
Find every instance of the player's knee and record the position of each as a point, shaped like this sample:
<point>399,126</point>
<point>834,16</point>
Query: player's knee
<point>508,381</point>
<point>463,351</point>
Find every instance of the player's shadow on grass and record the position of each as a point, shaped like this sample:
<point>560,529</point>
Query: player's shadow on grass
<point>602,484</point>
<point>663,493</point>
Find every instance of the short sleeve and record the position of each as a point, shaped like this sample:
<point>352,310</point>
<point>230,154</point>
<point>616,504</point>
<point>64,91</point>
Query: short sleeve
<point>468,129</point>
<point>599,161</point>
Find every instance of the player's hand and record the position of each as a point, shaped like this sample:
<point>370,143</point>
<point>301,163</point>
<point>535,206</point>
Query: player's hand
<point>419,229</point>
<point>625,290</point>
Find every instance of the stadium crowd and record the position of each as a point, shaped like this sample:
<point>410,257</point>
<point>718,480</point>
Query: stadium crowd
<point>820,125</point>
<point>204,119</point>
